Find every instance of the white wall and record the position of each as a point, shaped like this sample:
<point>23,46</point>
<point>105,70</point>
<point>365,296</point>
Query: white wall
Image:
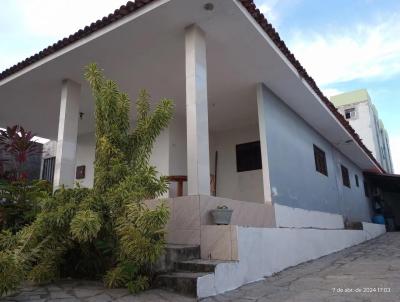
<point>288,217</point>
<point>265,251</point>
<point>177,152</point>
<point>85,155</point>
<point>364,124</point>
<point>85,151</point>
<point>246,186</point>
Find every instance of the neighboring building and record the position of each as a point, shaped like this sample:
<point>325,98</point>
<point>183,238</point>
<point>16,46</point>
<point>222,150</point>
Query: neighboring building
<point>357,107</point>
<point>247,116</point>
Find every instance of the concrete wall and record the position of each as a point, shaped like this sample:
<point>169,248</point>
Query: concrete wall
<point>364,124</point>
<point>170,157</point>
<point>85,155</point>
<point>265,251</point>
<point>85,151</point>
<point>371,130</point>
<point>190,220</point>
<point>246,185</point>
<point>293,177</point>
<point>287,217</point>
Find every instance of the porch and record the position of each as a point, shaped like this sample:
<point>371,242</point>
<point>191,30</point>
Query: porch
<point>215,97</point>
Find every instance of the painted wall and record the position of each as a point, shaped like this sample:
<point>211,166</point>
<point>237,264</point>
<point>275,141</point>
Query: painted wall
<point>293,178</point>
<point>371,130</point>
<point>85,157</point>
<point>245,186</point>
<point>177,152</point>
<point>169,155</point>
<point>364,124</point>
<point>288,217</point>
<point>265,251</point>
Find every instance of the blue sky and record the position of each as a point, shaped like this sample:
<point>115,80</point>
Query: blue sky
<point>347,45</point>
<point>343,44</point>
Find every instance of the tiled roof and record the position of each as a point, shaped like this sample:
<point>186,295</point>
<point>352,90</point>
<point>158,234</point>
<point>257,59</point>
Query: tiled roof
<point>131,7</point>
<point>118,14</point>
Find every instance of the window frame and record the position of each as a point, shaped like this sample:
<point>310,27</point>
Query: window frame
<point>366,189</point>
<point>257,159</point>
<point>320,160</point>
<point>352,113</point>
<point>345,176</point>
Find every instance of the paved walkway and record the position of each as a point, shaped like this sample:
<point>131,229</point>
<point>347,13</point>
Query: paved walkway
<point>365,273</point>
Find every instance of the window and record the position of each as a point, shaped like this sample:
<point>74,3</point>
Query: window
<point>48,169</point>
<point>350,113</point>
<point>345,176</point>
<point>356,178</point>
<point>248,157</point>
<point>320,161</point>
<point>366,189</point>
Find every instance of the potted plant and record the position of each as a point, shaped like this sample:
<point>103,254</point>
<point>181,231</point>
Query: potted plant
<point>222,215</point>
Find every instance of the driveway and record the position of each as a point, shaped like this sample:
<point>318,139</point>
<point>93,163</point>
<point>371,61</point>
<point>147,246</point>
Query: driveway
<point>365,273</point>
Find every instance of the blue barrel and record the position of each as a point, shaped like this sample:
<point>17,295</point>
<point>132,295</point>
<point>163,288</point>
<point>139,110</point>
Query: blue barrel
<point>379,219</point>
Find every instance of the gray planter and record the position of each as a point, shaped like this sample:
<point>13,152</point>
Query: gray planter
<point>222,216</point>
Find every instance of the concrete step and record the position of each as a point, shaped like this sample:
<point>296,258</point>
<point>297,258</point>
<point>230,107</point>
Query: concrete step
<point>181,282</point>
<point>198,265</point>
<point>175,253</point>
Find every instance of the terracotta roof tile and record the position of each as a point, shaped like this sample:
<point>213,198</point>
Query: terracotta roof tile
<point>131,7</point>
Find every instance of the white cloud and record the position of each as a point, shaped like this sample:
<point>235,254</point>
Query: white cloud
<point>328,92</point>
<point>365,51</point>
<point>394,142</point>
<point>57,19</point>
<point>267,7</point>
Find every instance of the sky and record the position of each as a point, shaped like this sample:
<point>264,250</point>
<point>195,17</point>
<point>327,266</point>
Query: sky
<point>344,45</point>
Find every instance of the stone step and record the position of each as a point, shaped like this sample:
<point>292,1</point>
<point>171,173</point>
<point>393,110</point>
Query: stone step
<point>184,283</point>
<point>198,265</point>
<point>175,253</point>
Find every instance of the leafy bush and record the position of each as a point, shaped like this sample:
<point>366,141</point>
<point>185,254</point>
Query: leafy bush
<point>18,196</point>
<point>19,202</point>
<point>105,232</point>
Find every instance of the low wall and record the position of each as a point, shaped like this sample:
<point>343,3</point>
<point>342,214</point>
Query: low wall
<point>288,217</point>
<point>264,251</point>
<point>189,215</point>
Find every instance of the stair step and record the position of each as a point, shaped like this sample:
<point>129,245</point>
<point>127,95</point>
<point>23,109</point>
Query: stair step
<point>182,282</point>
<point>175,253</point>
<point>198,265</point>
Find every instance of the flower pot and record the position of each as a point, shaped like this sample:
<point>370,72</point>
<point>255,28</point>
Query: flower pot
<point>222,216</point>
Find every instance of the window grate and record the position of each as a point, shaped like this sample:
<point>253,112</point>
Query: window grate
<point>48,169</point>
<point>320,161</point>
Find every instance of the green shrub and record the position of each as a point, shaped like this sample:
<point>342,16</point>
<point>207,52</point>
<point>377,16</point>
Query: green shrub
<point>20,202</point>
<point>106,232</point>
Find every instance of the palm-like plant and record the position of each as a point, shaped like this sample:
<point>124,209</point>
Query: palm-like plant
<point>20,145</point>
<point>106,231</point>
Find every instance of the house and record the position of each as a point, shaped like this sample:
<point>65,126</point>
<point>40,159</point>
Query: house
<point>357,107</point>
<point>248,117</point>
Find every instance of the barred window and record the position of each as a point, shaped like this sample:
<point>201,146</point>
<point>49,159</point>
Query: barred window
<point>320,161</point>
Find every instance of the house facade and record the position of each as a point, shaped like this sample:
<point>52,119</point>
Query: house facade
<point>357,107</point>
<point>251,130</point>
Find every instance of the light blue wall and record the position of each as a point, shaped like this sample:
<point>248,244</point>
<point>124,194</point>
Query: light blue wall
<point>294,180</point>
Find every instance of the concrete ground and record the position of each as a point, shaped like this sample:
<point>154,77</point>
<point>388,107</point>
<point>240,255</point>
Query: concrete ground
<point>364,273</point>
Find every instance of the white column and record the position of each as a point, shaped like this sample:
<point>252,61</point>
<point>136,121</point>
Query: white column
<point>64,173</point>
<point>262,94</point>
<point>197,112</point>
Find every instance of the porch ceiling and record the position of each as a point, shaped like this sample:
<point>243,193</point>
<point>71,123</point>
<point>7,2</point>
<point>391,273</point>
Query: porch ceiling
<point>146,50</point>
